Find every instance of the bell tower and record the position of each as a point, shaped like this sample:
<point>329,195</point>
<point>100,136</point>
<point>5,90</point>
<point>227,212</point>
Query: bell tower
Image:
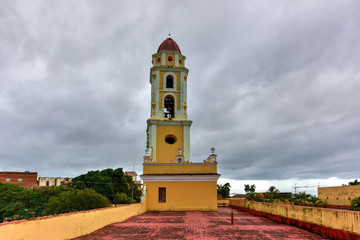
<point>171,181</point>
<point>168,128</point>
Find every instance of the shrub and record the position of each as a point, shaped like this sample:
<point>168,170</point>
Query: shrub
<point>355,204</point>
<point>255,197</point>
<point>76,200</point>
<point>121,198</point>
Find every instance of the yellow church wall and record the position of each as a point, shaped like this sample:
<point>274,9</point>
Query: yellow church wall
<point>187,168</point>
<point>181,62</point>
<point>157,60</point>
<point>182,196</point>
<point>167,62</point>
<point>166,153</point>
<point>70,225</point>
<point>341,195</point>
<point>161,82</point>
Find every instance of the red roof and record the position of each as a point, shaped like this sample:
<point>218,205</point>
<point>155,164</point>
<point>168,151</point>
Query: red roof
<point>169,44</point>
<point>131,173</point>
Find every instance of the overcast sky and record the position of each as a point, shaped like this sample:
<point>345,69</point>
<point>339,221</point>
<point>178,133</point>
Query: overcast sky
<point>273,85</point>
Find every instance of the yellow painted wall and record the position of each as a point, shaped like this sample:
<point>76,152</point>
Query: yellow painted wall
<point>341,195</point>
<point>188,168</point>
<point>157,60</point>
<point>223,202</point>
<point>161,83</point>
<point>166,153</point>
<point>67,226</point>
<point>333,218</point>
<point>167,62</point>
<point>182,196</point>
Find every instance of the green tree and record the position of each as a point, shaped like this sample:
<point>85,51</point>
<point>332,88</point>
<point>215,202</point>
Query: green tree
<point>355,204</point>
<point>355,182</point>
<point>272,193</point>
<point>76,200</point>
<point>249,189</point>
<point>301,198</point>
<point>224,190</point>
<point>121,198</point>
<point>20,203</point>
<point>108,182</point>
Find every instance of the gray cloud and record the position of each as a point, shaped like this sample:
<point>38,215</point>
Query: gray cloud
<point>273,85</point>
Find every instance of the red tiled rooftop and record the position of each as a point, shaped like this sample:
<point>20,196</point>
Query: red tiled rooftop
<point>199,225</point>
<point>131,173</point>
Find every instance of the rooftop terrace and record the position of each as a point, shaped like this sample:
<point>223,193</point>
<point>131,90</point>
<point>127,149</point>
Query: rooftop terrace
<point>199,225</point>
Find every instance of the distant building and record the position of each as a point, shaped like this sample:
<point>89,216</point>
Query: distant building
<point>339,197</point>
<point>239,196</point>
<point>24,179</point>
<point>134,175</point>
<point>53,181</point>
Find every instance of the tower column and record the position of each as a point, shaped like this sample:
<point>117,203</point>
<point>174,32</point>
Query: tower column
<point>186,151</point>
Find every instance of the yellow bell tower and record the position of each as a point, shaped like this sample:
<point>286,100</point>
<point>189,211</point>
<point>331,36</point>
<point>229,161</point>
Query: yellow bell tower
<point>168,131</point>
<point>172,181</point>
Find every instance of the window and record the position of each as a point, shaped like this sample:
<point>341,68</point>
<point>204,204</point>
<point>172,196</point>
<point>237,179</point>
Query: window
<point>170,139</point>
<point>170,58</point>
<point>47,183</point>
<point>169,82</point>
<point>8,179</point>
<point>162,195</point>
<point>20,179</point>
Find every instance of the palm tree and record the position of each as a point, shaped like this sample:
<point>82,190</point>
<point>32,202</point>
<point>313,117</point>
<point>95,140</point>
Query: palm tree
<point>301,198</point>
<point>355,182</point>
<point>272,193</point>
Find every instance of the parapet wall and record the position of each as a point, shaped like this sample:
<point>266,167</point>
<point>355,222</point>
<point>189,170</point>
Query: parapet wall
<point>330,223</point>
<point>69,225</point>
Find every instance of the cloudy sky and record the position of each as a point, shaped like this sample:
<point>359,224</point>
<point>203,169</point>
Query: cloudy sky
<point>273,85</point>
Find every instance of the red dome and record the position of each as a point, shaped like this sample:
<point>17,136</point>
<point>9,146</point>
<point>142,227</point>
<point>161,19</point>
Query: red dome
<point>170,45</point>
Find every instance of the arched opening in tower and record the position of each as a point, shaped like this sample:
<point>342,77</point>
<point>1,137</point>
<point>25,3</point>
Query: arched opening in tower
<point>169,107</point>
<point>169,81</point>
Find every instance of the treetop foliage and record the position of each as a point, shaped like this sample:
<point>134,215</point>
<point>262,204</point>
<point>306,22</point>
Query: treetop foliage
<point>76,200</point>
<point>249,189</point>
<point>87,191</point>
<point>108,182</point>
<point>224,190</point>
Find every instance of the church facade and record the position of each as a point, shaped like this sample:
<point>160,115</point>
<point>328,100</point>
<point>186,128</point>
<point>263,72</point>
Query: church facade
<point>172,181</point>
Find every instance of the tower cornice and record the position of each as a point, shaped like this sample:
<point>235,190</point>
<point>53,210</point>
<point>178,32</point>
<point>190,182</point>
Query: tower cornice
<point>167,122</point>
<point>169,68</point>
<point>168,51</point>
